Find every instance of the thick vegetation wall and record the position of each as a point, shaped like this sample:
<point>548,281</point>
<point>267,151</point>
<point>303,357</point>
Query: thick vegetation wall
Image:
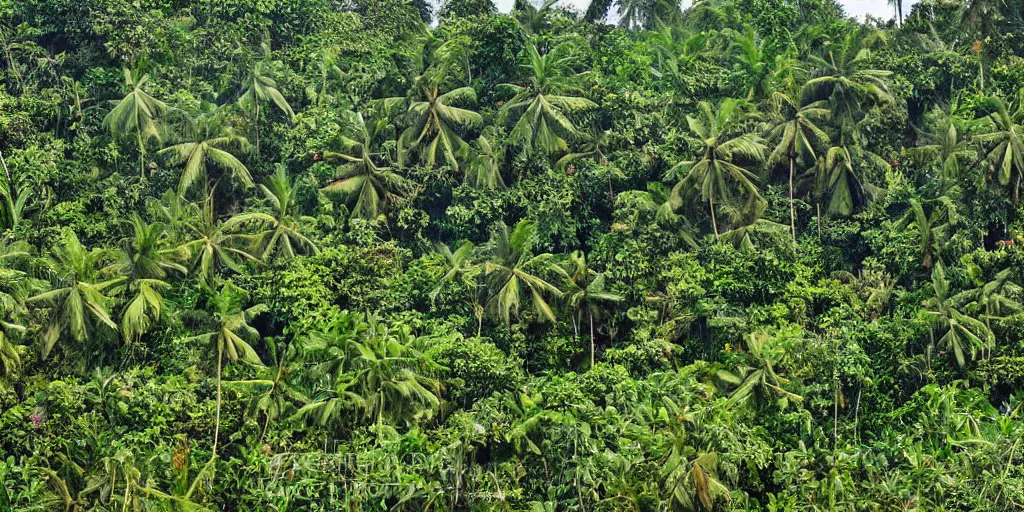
<point>317,255</point>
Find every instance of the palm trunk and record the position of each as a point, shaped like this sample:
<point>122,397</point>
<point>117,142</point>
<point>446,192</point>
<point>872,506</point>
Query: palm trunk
<point>611,191</point>
<point>7,172</point>
<point>714,223</point>
<point>591,314</point>
<point>220,369</point>
<point>257,123</point>
<point>819,221</point>
<point>792,208</point>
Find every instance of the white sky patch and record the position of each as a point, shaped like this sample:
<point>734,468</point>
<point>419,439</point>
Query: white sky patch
<point>856,8</point>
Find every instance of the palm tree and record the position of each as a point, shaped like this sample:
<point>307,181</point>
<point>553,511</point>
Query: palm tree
<point>211,144</point>
<point>750,62</point>
<point>380,372</point>
<point>510,269</point>
<point>282,235</point>
<point>842,183</point>
<point>934,221</point>
<point>484,169</point>
<point>213,244</point>
<point>259,87</point>
<point>994,299</point>
<point>585,295</point>
<point>137,114</point>
<point>720,145</point>
<point>14,197</point>
<point>749,223</point>
<point>232,336</point>
<point>1004,137</point>
<point>540,108</point>
<point>359,177</point>
<point>897,6</point>
<point>846,80</point>
<point>960,332</point>
<point>461,264</point>
<point>944,144</point>
<point>758,378</point>
<point>76,300</point>
<point>531,18</point>
<point>435,123</point>
<point>795,133</point>
<point>15,284</point>
<point>145,261</point>
<point>594,144</point>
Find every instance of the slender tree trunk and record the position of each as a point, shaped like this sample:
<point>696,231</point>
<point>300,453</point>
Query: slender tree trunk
<point>611,191</point>
<point>7,172</point>
<point>220,369</point>
<point>792,208</point>
<point>591,314</point>
<point>714,223</point>
<point>819,221</point>
<point>257,122</point>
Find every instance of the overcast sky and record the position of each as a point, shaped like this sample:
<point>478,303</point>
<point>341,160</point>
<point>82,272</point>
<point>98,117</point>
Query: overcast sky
<point>858,8</point>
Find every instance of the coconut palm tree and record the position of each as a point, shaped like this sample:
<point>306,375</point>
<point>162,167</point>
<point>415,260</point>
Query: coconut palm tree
<point>232,336</point>
<point>960,333</point>
<point>259,88</point>
<point>585,295</point>
<point>593,144</point>
<point>463,266</point>
<point>484,169</point>
<point>718,132</point>
<point>934,222</point>
<point>15,285</point>
<point>540,109</point>
<point>282,230</point>
<point>795,134</point>
<point>379,373</point>
<point>366,184</point>
<point>77,301</point>
<point>211,144</point>
<point>845,79</point>
<point>214,245</point>
<point>995,298</point>
<point>435,122</point>
<point>944,146</point>
<point>840,179</point>
<point>1004,140</point>
<point>511,269</point>
<point>758,377</point>
<point>137,114</point>
<point>146,259</point>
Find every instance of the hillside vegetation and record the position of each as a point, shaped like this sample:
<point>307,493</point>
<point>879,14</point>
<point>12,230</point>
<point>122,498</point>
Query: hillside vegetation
<point>371,255</point>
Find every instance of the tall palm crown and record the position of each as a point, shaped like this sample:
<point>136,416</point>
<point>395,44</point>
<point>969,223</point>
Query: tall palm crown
<point>146,258</point>
<point>282,235</point>
<point>961,334</point>
<point>721,142</point>
<point>368,186</point>
<point>77,301</point>
<point>944,145</point>
<point>795,134</point>
<point>847,80</point>
<point>540,109</point>
<point>511,269</point>
<point>585,295</point>
<point>137,113</point>
<point>210,144</point>
<point>435,123</point>
<point>840,178</point>
<point>1004,138</point>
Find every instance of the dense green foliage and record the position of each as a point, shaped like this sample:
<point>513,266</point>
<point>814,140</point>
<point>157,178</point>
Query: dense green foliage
<point>316,255</point>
